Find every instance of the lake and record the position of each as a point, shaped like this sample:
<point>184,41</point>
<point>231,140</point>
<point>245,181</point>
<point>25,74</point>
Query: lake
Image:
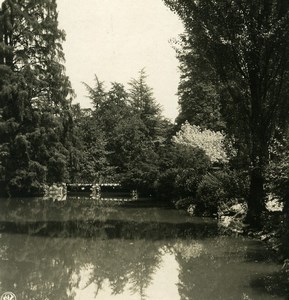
<point>82,249</point>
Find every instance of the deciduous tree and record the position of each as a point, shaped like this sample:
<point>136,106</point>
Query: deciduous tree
<point>198,95</point>
<point>246,43</point>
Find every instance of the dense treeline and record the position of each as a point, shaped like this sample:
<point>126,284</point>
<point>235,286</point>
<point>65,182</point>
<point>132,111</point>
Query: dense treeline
<point>45,139</point>
<point>121,137</point>
<point>244,46</point>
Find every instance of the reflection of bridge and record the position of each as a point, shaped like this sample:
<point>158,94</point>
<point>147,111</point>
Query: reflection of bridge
<point>108,191</point>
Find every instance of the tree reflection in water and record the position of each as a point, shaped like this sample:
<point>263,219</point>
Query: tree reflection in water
<point>45,246</point>
<point>52,250</point>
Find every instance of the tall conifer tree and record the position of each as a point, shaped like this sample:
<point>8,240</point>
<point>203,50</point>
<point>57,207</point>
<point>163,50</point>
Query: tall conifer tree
<point>35,118</point>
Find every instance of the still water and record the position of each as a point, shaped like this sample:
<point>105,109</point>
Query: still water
<point>78,249</point>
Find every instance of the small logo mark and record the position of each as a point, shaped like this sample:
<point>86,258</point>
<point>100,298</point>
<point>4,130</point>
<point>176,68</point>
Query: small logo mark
<point>8,296</point>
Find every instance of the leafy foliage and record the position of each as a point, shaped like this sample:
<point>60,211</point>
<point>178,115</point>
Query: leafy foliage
<point>278,169</point>
<point>88,158</point>
<point>199,97</point>
<point>221,187</point>
<point>278,184</point>
<point>183,170</point>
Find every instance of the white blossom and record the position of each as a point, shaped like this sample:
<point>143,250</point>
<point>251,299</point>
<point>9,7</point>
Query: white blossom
<point>212,142</point>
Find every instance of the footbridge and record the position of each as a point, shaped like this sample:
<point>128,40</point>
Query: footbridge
<point>102,191</point>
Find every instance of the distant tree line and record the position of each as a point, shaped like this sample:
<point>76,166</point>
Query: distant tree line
<point>121,138</point>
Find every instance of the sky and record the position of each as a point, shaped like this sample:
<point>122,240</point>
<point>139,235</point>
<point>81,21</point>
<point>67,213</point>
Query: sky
<point>115,39</point>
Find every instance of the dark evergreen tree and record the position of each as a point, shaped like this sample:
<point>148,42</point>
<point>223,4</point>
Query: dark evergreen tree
<point>88,157</point>
<point>144,104</point>
<point>35,116</point>
<point>111,111</point>
<point>134,131</point>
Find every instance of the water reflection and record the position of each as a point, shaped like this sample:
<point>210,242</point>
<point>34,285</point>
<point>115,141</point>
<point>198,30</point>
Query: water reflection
<point>79,250</point>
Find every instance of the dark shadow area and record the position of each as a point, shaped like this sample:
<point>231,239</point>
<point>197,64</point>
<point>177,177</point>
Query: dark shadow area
<point>140,219</point>
<point>148,202</point>
<point>111,229</point>
<point>256,252</point>
<point>275,284</point>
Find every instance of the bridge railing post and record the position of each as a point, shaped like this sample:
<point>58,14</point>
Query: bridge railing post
<point>134,194</point>
<point>95,191</point>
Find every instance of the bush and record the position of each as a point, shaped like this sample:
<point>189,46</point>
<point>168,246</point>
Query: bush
<point>184,203</point>
<point>278,175</point>
<point>278,184</point>
<point>182,175</point>
<point>192,164</point>
<point>28,182</point>
<point>220,187</point>
<point>211,142</point>
<point>166,189</point>
<point>209,193</point>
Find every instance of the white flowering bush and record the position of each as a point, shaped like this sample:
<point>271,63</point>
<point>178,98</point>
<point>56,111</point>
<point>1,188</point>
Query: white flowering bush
<point>212,142</point>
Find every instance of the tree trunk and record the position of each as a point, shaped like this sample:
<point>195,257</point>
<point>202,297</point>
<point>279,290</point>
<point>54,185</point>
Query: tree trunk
<point>256,199</point>
<point>259,161</point>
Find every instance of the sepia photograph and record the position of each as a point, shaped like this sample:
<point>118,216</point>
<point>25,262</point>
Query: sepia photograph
<point>144,149</point>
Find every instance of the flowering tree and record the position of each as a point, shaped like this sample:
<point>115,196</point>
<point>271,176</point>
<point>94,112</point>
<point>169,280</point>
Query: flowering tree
<point>212,142</point>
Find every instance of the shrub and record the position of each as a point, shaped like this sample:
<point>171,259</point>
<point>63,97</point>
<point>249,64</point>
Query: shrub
<point>192,164</point>
<point>184,203</point>
<point>182,176</point>
<point>278,175</point>
<point>209,193</point>
<point>28,182</point>
<point>166,184</point>
<point>278,184</point>
<point>220,187</point>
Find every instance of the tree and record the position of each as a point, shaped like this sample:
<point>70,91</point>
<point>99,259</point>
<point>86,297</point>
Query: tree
<point>35,95</point>
<point>111,111</point>
<point>137,155</point>
<point>144,104</point>
<point>88,155</point>
<point>246,43</point>
<point>198,95</point>
<point>133,128</point>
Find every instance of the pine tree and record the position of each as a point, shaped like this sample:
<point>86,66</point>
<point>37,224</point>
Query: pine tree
<point>144,104</point>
